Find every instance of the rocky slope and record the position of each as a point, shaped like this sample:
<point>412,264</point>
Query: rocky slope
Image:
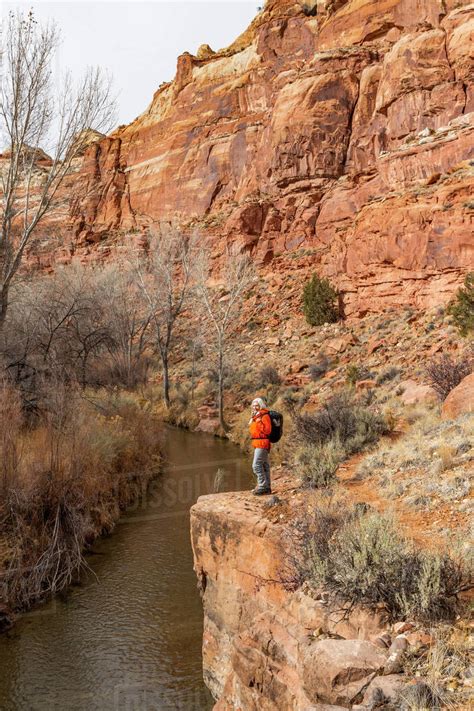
<point>344,127</point>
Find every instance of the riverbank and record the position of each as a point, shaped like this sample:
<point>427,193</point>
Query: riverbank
<point>66,480</point>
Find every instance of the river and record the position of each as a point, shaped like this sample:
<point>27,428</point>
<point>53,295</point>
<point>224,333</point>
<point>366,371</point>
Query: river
<point>128,638</point>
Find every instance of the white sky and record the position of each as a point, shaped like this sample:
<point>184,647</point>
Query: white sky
<point>137,41</point>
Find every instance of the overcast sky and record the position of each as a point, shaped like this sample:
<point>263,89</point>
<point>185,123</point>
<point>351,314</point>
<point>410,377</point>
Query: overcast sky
<point>139,41</point>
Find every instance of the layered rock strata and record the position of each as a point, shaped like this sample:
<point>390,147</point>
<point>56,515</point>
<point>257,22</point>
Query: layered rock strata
<point>339,128</point>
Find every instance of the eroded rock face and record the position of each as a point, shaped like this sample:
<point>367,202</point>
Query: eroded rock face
<point>338,670</point>
<point>266,648</point>
<point>345,127</point>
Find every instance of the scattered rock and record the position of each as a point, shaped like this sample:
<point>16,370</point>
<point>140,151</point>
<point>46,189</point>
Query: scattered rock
<point>414,393</point>
<point>210,426</point>
<point>374,344</point>
<point>419,639</point>
<point>272,501</point>
<point>383,641</point>
<point>297,366</point>
<point>394,663</point>
<point>337,670</point>
<point>339,344</point>
<point>273,341</point>
<point>399,644</point>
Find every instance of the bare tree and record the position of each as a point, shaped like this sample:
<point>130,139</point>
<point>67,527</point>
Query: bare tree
<point>130,326</point>
<point>34,115</point>
<point>221,302</point>
<point>164,279</point>
<point>78,324</point>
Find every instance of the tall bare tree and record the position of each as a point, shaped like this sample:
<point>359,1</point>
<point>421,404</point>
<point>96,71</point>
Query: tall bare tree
<point>164,279</point>
<point>39,111</point>
<point>221,300</point>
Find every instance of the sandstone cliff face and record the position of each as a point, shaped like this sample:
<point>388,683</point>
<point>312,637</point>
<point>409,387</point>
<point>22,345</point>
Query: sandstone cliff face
<point>341,126</point>
<point>266,648</point>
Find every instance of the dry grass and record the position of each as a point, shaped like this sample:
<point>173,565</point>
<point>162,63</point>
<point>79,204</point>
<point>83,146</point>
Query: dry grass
<point>431,444</point>
<point>446,454</point>
<point>65,479</point>
<point>444,667</point>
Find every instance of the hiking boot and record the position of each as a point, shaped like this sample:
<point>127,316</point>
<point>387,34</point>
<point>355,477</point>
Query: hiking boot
<point>261,491</point>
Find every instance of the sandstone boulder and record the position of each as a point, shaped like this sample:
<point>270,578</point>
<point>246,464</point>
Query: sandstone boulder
<point>340,343</point>
<point>337,670</point>
<point>414,393</point>
<point>209,425</point>
<point>460,400</point>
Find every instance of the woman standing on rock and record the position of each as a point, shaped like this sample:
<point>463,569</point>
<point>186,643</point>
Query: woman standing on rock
<point>260,428</point>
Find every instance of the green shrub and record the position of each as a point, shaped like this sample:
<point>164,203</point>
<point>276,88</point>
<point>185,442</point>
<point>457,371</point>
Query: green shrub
<point>365,561</point>
<point>317,464</point>
<point>320,302</point>
<point>462,307</point>
<point>354,373</point>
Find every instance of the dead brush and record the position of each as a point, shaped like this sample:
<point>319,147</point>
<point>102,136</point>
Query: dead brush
<point>446,454</point>
<point>77,471</point>
<point>11,422</point>
<point>446,372</point>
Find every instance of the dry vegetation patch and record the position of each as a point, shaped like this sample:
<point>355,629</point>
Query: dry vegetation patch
<point>66,476</point>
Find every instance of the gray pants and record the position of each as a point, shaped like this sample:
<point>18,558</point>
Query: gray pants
<point>261,468</point>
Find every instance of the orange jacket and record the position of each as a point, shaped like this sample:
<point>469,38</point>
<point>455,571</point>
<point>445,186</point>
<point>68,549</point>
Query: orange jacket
<point>260,428</point>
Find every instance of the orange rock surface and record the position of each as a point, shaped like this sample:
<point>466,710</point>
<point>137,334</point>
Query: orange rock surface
<point>266,648</point>
<point>460,400</point>
<point>344,128</point>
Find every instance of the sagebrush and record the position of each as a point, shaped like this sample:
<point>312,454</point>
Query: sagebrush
<point>353,425</point>
<point>361,559</point>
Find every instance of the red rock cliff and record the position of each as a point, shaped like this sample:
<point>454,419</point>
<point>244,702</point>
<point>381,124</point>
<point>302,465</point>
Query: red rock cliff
<point>344,127</point>
<point>266,648</point>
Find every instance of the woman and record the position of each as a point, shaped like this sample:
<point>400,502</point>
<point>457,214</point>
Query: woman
<point>260,427</point>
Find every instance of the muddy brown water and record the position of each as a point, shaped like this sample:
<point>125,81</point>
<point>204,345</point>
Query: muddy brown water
<point>129,637</point>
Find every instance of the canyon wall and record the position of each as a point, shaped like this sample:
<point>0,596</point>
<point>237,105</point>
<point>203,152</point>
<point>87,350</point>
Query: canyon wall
<point>341,130</point>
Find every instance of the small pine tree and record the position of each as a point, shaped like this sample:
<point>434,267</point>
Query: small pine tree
<point>462,307</point>
<point>320,302</point>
